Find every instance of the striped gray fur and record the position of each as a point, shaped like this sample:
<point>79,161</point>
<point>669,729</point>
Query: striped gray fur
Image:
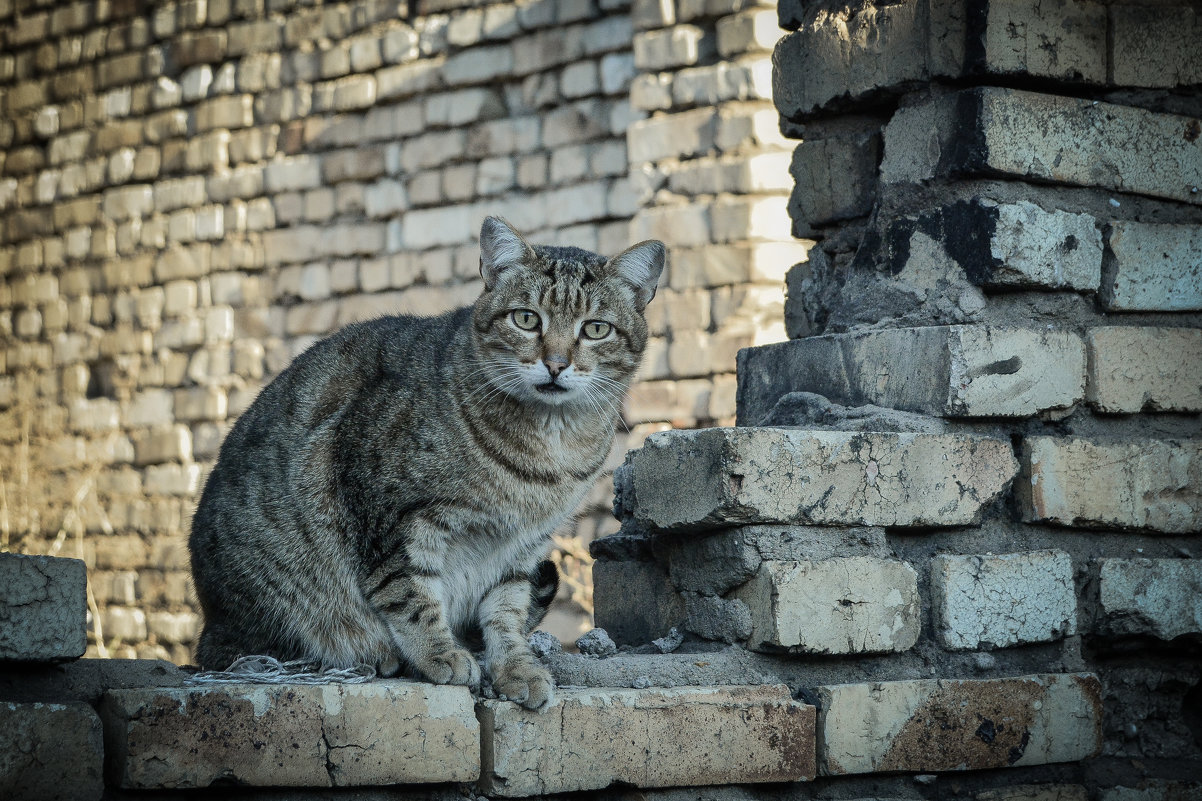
<point>390,497</point>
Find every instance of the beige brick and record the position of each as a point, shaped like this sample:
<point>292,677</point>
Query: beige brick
<point>1148,484</point>
<point>947,725</point>
<point>200,403</point>
<point>749,79</point>
<point>43,612</point>
<point>50,751</point>
<point>164,479</point>
<point>1144,368</point>
<point>406,80</point>
<point>847,605</point>
<point>1159,597</point>
<point>720,477</point>
<point>677,46</point>
<point>165,444</point>
<point>591,738</point>
<point>1153,267</point>
<point>688,133</point>
<point>752,31</point>
<point>997,601</point>
<point>384,732</point>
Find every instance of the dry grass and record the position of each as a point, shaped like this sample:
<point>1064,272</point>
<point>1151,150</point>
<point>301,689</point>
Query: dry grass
<point>571,556</point>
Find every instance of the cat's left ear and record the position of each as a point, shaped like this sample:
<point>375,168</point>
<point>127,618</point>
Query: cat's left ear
<point>501,247</point>
<point>640,266</point>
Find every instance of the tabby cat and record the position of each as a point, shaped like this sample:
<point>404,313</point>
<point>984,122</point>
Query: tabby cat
<point>390,497</point>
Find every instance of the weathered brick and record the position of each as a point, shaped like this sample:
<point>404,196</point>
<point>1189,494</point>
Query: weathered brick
<point>719,477</point>
<point>834,177</point>
<point>1151,484</point>
<point>591,738</point>
<point>850,605</point>
<point>996,601</point>
<point>955,371</point>
<point>385,732</point>
<point>749,79</point>
<point>1160,597</point>
<point>1152,267</point>
<point>50,751</point>
<point>947,725</point>
<point>43,610</point>
<point>1155,50</point>
<point>853,53</point>
<point>1046,137</point>
<point>1145,368</point>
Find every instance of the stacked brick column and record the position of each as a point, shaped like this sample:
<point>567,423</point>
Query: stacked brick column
<point>964,493</point>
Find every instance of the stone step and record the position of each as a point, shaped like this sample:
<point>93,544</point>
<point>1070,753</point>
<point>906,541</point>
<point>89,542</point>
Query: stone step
<point>1028,135</point>
<point>931,725</point>
<point>43,608</point>
<point>718,477</point>
<point>331,735</point>
<point>677,737</point>
<point>50,752</point>
<point>947,371</point>
<point>1150,484</point>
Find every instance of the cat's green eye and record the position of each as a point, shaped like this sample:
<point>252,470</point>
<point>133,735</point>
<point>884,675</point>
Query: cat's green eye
<point>596,329</point>
<point>526,320</point>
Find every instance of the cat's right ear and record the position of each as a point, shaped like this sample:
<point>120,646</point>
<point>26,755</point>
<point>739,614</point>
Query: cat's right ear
<point>640,266</point>
<point>501,247</point>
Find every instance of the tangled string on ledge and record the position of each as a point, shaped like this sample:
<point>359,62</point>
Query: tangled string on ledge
<point>259,669</point>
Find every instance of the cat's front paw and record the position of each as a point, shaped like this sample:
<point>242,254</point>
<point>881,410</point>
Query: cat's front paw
<point>526,682</point>
<point>453,666</point>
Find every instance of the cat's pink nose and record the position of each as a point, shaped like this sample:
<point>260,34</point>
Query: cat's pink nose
<point>556,364</point>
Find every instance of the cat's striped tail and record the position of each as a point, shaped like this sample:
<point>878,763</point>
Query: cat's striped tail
<point>544,583</point>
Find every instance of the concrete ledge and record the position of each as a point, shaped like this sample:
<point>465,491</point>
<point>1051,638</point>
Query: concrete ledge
<point>384,732</point>
<point>711,478</point>
<point>43,608</point>
<point>686,736</point>
<point>1146,484</point>
<point>50,752</point>
<point>945,724</point>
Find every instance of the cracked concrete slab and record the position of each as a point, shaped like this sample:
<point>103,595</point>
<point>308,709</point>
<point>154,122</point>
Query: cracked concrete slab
<point>43,608</point>
<point>333,735</point>
<point>717,477</point>
<point>683,737</point>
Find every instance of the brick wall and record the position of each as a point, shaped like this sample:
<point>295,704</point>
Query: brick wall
<point>968,488</point>
<point>191,193</point>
